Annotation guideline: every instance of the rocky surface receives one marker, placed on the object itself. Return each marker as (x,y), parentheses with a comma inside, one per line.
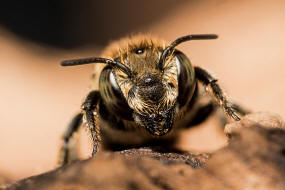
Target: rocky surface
(253,159)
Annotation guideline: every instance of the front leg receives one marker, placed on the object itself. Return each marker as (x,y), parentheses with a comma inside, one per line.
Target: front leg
(211,83)
(91,117)
(67,152)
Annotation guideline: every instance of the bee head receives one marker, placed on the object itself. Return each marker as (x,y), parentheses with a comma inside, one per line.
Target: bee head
(147,79)
(151,92)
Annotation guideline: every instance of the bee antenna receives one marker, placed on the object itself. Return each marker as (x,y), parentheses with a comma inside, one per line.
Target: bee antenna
(167,51)
(89,60)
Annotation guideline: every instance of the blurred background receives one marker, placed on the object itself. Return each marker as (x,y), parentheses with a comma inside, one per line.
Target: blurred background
(38,97)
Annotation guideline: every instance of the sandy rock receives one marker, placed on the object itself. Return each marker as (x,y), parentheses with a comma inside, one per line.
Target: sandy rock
(264,119)
(253,159)
(130,169)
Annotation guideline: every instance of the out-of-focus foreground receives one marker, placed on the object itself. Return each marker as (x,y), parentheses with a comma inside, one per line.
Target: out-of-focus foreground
(241,165)
(38,97)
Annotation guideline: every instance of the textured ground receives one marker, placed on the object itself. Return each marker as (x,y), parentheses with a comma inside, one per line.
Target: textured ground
(253,159)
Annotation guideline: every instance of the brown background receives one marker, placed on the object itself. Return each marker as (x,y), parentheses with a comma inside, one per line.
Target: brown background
(38,97)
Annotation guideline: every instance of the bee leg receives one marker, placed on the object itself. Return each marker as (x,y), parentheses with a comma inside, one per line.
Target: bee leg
(65,150)
(91,116)
(211,84)
(240,109)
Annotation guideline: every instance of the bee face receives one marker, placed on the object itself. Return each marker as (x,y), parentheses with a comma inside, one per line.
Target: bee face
(152,92)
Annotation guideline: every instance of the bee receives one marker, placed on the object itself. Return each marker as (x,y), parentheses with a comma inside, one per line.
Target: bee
(147,91)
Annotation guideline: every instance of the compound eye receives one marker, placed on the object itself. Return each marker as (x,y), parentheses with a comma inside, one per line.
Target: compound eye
(113,82)
(186,78)
(113,99)
(139,51)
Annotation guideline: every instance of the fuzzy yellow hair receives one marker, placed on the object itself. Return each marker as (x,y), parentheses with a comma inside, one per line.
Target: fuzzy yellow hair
(131,43)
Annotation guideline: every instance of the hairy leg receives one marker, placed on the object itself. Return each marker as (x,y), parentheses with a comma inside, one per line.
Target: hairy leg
(90,117)
(65,150)
(211,85)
